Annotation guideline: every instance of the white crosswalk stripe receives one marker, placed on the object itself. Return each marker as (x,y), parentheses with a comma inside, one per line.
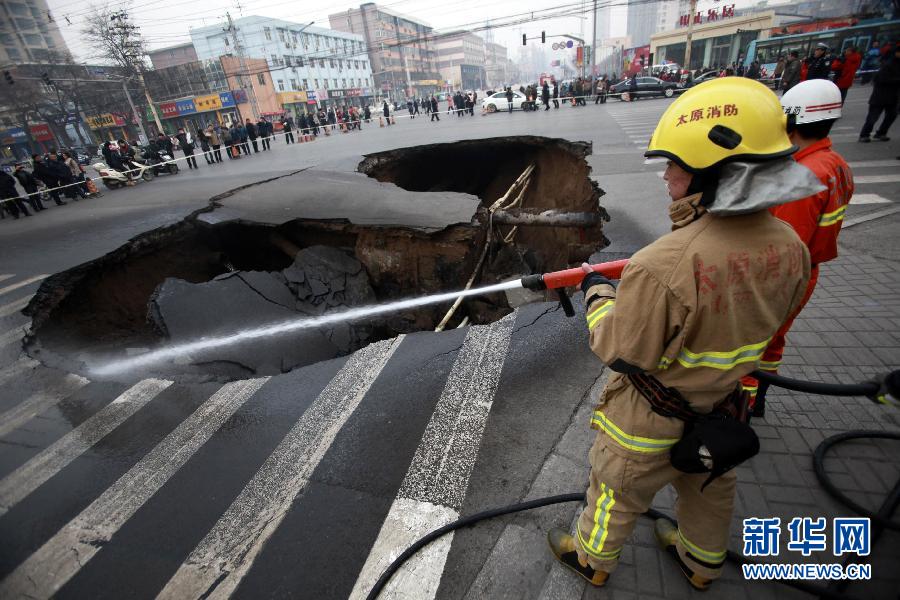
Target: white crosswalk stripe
(16,368)
(14,307)
(58,560)
(40,401)
(5,276)
(52,460)
(868,199)
(219,562)
(21,284)
(864,179)
(433,491)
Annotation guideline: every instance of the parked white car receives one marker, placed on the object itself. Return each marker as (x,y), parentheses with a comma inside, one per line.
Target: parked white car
(498,101)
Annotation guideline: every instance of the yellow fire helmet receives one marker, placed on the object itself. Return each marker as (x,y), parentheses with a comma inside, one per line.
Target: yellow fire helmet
(723,120)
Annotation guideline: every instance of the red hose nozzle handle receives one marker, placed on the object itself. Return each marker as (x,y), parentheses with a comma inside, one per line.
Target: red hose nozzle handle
(573,277)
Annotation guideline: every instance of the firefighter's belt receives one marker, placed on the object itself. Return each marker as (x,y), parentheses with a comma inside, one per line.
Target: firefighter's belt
(669,402)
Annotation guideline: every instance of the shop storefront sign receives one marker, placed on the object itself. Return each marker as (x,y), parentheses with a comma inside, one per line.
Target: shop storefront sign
(105,120)
(13,135)
(186,107)
(322,94)
(41,132)
(354,92)
(713,14)
(62,120)
(226,99)
(285,98)
(240,96)
(209,102)
(168,110)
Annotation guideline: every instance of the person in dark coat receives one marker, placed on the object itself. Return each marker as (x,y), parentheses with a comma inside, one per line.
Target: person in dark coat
(30,185)
(885,92)
(633,88)
(186,142)
(818,66)
(288,126)
(10,200)
(387,112)
(367,113)
(45,173)
(555,94)
(545,96)
(509,99)
(56,163)
(434,109)
(164,144)
(204,146)
(252,135)
(262,128)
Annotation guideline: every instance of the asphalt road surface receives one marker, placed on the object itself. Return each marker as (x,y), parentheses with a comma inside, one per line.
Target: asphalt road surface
(305,485)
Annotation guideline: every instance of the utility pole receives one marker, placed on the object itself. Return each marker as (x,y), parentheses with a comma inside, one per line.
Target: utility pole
(594,41)
(134,110)
(690,32)
(240,52)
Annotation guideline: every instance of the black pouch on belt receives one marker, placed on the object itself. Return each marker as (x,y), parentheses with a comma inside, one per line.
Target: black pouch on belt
(714,445)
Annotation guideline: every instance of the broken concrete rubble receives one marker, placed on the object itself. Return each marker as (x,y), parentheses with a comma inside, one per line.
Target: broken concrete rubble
(320,279)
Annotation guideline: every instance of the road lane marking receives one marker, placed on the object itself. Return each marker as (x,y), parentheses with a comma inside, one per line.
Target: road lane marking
(860,179)
(865,164)
(21,284)
(27,478)
(14,307)
(5,276)
(434,489)
(58,560)
(13,335)
(868,199)
(40,401)
(216,566)
(870,216)
(16,368)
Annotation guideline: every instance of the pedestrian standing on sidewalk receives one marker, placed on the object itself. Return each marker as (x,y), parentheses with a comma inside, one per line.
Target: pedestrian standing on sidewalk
(885,87)
(204,146)
(186,141)
(287,127)
(9,196)
(215,141)
(30,185)
(676,340)
(434,109)
(77,172)
(791,74)
(812,107)
(252,134)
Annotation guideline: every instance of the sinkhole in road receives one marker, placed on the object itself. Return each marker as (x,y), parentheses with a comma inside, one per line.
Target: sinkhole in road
(197,279)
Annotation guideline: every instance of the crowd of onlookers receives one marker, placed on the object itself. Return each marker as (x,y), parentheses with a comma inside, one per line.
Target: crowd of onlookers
(52,176)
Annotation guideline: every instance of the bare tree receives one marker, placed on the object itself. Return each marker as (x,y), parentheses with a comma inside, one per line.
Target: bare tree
(114,38)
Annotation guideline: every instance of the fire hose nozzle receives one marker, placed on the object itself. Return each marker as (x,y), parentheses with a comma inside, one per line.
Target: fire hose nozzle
(572,277)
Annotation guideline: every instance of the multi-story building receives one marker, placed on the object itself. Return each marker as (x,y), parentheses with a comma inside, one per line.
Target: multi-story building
(400,49)
(173,56)
(28,33)
(317,65)
(647,18)
(461,58)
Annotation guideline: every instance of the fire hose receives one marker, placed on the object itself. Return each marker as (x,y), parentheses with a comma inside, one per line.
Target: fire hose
(887,386)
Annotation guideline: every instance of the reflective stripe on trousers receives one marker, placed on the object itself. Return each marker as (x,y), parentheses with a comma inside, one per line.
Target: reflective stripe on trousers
(594,544)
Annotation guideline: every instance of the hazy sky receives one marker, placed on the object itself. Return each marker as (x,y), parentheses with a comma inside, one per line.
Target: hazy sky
(168,22)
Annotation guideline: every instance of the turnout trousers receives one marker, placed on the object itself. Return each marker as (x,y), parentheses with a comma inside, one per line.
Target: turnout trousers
(627,471)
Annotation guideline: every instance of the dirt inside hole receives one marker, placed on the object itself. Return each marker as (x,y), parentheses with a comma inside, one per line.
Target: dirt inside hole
(195,279)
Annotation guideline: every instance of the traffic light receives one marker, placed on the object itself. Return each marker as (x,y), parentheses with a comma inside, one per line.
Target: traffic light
(46,79)
(543,37)
(8,77)
(524,40)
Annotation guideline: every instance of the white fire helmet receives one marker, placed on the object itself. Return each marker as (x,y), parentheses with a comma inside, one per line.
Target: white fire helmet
(812,100)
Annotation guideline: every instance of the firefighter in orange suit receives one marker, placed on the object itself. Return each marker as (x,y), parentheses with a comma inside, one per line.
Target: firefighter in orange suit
(811,107)
(692,314)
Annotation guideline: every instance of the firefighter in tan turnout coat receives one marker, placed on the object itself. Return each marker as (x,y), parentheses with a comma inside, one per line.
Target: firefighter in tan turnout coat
(692,314)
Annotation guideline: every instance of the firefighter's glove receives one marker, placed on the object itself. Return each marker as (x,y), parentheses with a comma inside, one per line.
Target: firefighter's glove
(592,278)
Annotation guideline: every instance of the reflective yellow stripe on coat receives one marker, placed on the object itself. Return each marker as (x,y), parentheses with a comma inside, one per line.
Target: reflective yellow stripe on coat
(723,360)
(833,217)
(598,313)
(631,442)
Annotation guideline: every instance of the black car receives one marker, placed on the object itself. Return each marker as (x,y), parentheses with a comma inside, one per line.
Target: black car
(81,155)
(647,87)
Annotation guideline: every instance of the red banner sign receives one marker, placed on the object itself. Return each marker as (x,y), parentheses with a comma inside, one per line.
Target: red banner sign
(169,109)
(712,14)
(41,133)
(354,92)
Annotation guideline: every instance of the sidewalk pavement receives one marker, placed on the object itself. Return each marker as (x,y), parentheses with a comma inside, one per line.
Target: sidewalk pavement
(850,331)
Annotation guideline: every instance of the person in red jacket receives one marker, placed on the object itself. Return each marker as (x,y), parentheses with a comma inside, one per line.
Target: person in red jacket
(811,107)
(845,70)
